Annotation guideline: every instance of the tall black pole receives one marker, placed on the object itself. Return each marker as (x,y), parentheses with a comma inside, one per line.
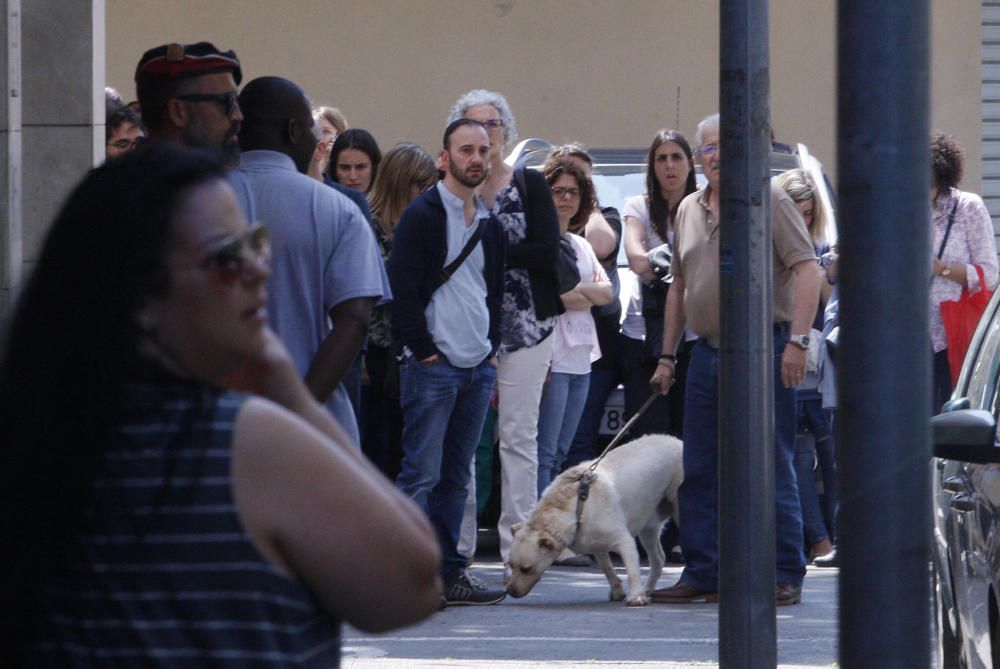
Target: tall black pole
(747,633)
(884,365)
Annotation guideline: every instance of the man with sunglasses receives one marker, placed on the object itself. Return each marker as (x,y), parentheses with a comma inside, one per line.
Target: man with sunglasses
(694,301)
(187,94)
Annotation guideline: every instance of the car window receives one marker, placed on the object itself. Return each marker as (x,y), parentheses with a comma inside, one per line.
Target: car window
(981,376)
(616,184)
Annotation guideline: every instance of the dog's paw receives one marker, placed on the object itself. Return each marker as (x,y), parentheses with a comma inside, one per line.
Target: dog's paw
(637,600)
(617,593)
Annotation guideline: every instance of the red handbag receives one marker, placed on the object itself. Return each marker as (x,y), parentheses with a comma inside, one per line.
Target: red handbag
(960,319)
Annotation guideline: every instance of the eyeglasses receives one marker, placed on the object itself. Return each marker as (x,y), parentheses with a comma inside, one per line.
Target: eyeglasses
(493,123)
(230,100)
(230,258)
(709,150)
(125,145)
(559,193)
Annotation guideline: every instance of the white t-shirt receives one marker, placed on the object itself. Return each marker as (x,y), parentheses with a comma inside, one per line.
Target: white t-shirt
(575,346)
(634,326)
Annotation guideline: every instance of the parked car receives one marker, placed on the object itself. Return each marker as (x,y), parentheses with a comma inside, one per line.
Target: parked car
(966,495)
(619,173)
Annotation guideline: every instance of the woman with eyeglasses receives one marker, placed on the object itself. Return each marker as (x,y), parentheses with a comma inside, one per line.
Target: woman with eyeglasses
(523,203)
(574,344)
(649,224)
(171,491)
(817,452)
(405,172)
(123,128)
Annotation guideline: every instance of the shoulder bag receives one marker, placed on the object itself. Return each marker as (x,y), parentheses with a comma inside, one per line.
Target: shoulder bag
(960,317)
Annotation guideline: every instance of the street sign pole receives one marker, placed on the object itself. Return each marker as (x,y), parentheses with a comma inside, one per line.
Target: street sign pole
(747,631)
(884,372)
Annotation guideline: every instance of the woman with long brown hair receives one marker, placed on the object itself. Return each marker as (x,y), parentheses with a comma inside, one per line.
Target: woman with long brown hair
(406,171)
(649,223)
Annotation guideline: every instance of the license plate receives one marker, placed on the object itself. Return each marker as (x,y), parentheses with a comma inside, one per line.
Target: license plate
(613,417)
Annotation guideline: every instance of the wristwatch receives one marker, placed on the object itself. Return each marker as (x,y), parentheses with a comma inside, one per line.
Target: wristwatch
(946,271)
(802,341)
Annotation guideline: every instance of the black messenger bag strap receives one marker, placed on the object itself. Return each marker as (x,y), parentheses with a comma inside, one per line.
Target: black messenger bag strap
(450,268)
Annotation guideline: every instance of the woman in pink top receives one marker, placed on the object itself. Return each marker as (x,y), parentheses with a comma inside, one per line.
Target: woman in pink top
(962,239)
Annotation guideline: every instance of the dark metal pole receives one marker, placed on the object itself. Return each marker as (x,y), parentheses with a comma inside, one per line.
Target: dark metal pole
(747,632)
(884,369)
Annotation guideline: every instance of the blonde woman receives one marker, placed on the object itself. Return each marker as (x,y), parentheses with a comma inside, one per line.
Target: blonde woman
(818,521)
(331,123)
(406,171)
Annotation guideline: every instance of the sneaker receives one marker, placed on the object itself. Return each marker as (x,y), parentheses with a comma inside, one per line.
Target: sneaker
(465,589)
(828,560)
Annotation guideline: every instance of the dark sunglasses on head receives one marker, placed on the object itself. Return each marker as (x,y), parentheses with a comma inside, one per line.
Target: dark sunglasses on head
(230,258)
(229,101)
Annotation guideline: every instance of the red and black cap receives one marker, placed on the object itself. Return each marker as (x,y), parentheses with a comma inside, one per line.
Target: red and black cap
(179,61)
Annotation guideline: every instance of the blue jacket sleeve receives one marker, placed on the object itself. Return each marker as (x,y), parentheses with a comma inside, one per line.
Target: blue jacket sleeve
(409,267)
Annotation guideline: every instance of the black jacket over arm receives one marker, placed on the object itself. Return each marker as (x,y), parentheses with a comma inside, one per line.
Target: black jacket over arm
(540,248)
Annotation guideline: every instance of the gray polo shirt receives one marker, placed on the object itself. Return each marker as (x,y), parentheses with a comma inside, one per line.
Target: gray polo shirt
(323,253)
(458,317)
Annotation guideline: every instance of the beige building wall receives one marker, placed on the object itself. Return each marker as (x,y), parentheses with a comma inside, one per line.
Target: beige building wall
(604,72)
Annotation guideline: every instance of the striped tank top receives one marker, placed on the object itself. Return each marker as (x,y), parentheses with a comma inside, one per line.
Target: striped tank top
(163,574)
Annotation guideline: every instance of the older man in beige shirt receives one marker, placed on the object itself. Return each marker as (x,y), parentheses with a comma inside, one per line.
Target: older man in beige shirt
(693,301)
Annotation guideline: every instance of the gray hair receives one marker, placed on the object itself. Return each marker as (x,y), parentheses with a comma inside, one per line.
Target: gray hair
(711,121)
(480,96)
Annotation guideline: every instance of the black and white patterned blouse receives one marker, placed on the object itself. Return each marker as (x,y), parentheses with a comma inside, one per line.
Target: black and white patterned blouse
(519,325)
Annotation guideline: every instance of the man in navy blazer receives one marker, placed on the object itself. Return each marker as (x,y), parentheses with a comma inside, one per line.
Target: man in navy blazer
(446,272)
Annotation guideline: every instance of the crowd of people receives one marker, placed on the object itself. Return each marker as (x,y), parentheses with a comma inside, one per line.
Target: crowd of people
(287,343)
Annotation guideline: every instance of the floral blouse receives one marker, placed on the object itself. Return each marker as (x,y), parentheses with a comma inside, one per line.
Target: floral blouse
(519,327)
(970,242)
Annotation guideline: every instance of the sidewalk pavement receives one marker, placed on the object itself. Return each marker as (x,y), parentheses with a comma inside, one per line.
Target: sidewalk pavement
(568,622)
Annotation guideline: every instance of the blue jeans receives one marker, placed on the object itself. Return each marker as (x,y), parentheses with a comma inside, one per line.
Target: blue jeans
(444,408)
(605,375)
(699,494)
(558,417)
(814,445)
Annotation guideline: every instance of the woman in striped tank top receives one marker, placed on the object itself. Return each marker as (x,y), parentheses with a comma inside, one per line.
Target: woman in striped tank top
(172,496)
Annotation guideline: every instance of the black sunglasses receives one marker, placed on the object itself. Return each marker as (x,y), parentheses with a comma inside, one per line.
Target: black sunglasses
(230,258)
(229,101)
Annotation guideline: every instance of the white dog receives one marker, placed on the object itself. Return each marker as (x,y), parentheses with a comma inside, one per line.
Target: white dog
(633,494)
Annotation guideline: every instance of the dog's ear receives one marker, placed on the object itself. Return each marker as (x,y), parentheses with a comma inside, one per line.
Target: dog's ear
(515,527)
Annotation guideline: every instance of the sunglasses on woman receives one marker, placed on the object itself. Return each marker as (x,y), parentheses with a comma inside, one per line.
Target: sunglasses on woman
(230,258)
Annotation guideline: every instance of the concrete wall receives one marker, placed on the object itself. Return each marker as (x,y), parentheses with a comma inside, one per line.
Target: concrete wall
(605,72)
(51,122)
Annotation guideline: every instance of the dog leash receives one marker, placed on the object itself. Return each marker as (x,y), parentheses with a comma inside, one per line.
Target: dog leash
(588,475)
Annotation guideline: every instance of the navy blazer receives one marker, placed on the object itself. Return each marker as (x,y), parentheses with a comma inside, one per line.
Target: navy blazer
(419,251)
